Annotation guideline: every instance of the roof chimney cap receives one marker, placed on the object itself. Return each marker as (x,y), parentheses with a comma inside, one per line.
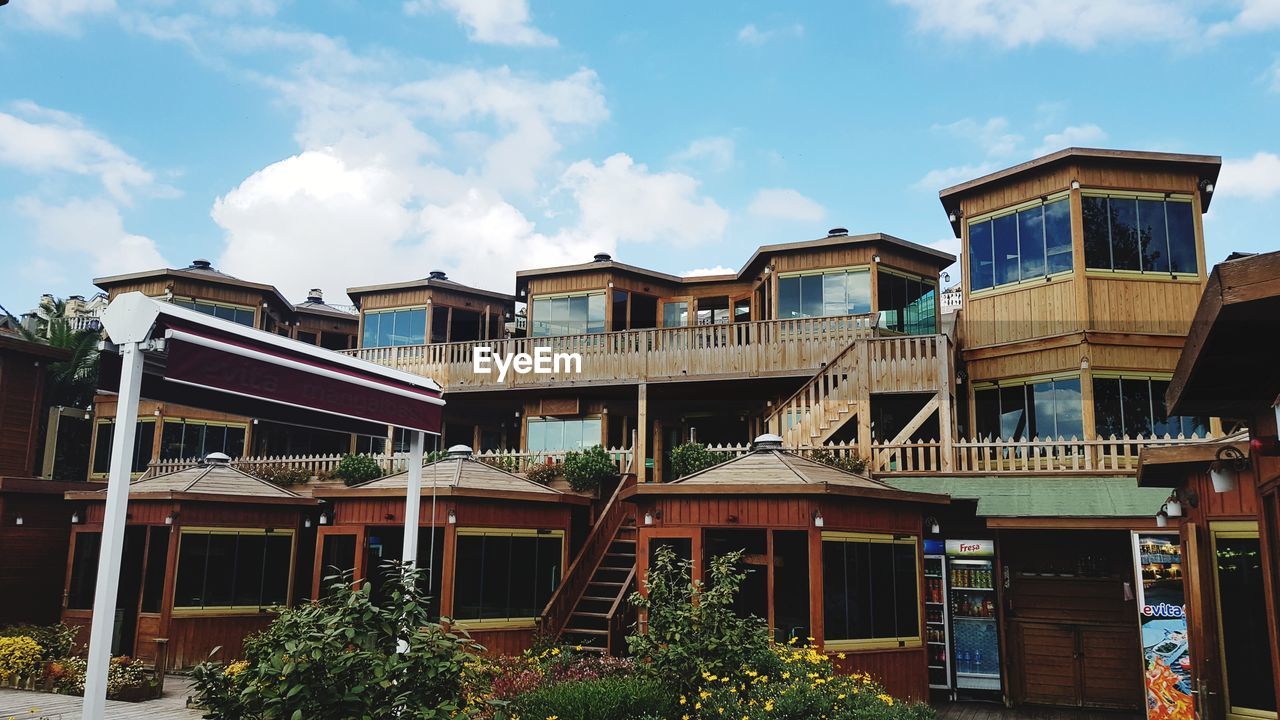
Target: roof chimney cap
(437,275)
(837,232)
(201,263)
(217,458)
(315,295)
(458,452)
(768,441)
(602,257)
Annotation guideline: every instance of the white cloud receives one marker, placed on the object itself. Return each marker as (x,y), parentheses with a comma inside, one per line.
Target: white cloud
(495,22)
(60,16)
(1071,136)
(991,135)
(715,152)
(749,34)
(91,229)
(1081,24)
(1255,178)
(940,178)
(42,141)
(1254,16)
(785,204)
(704,272)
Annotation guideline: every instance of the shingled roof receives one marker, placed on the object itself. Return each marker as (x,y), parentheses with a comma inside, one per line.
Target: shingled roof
(214,478)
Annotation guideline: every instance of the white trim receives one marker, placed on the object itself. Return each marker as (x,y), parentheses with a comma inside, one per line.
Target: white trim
(212,344)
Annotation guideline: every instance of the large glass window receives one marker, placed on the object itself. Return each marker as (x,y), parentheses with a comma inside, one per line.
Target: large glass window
(233,568)
(1134,406)
(713,310)
(510,574)
(870,591)
(142,445)
(576,314)
(1024,245)
(157,563)
(182,439)
(1139,234)
(557,435)
(388,328)
(1033,409)
(824,294)
(675,313)
(907,304)
(84,570)
(235,313)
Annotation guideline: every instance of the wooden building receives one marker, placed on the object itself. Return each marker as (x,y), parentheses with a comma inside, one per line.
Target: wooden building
(833,556)
(208,552)
(495,545)
(1229,492)
(33,520)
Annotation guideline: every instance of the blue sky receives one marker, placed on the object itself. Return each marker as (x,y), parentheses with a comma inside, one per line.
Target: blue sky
(333,143)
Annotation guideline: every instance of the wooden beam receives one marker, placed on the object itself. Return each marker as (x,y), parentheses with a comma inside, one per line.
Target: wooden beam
(914,423)
(642,427)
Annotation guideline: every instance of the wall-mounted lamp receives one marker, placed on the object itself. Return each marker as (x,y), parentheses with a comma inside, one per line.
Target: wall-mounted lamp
(75,518)
(610,283)
(452,517)
(170,518)
(954,216)
(946,277)
(255,421)
(1207,186)
(156,412)
(648,518)
(934,526)
(1224,471)
(1173,506)
(1075,184)
(324,517)
(817,519)
(18,520)
(306,522)
(88,412)
(1084,362)
(1162,519)
(875,258)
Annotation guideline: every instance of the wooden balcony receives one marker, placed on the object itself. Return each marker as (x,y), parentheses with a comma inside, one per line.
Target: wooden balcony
(770,348)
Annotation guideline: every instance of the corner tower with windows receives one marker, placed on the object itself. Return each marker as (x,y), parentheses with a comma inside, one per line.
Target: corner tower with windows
(1082,270)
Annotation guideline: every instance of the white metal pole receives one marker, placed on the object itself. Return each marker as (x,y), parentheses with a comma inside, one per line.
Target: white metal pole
(413,498)
(113,522)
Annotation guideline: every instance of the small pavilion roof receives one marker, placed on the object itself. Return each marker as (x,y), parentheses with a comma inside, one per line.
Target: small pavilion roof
(458,475)
(1168,465)
(212,480)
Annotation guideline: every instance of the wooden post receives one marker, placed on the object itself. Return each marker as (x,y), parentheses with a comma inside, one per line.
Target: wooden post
(946,399)
(862,393)
(642,427)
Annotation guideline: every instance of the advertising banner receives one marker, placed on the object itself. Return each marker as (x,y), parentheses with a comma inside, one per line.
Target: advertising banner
(1162,621)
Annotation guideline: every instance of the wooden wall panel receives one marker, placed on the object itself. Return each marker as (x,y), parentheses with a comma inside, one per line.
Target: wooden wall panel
(1110,675)
(904,673)
(1018,190)
(21,384)
(1022,364)
(1239,504)
(192,638)
(1134,357)
(1042,663)
(32,562)
(1134,305)
(1026,312)
(1066,599)
(581,281)
(506,641)
(144,645)
(469,512)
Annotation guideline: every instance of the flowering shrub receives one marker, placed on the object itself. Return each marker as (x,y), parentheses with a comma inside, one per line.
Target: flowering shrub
(282,474)
(544,474)
(55,641)
(505,678)
(586,470)
(613,698)
(19,658)
(355,469)
(67,675)
(852,462)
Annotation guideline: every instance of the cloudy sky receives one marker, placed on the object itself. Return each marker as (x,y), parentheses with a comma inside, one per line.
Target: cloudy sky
(335,143)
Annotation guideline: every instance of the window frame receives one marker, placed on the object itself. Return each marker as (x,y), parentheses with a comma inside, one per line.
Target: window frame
(604,293)
(1149,377)
(1135,195)
(897,642)
(996,286)
(176,609)
(933,283)
(426,332)
(1024,382)
(599,418)
(868,268)
(165,420)
(251,309)
(516,622)
(93,448)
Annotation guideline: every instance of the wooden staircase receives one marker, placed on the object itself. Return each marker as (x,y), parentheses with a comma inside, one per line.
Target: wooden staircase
(590,609)
(838,393)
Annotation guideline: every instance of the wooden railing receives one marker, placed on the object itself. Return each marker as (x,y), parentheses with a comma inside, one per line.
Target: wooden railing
(596,546)
(748,349)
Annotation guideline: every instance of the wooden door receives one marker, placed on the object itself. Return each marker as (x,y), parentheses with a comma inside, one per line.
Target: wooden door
(1049,664)
(1206,675)
(1110,669)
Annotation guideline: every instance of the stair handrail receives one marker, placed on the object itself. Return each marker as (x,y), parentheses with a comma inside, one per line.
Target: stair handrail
(617,604)
(830,365)
(562,601)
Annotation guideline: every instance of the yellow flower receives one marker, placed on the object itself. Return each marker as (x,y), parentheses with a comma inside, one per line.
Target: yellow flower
(886,699)
(683,700)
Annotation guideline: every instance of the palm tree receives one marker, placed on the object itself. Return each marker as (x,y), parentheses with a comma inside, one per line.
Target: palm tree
(70,382)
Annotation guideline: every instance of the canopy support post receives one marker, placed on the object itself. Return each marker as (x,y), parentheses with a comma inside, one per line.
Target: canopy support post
(413,498)
(123,438)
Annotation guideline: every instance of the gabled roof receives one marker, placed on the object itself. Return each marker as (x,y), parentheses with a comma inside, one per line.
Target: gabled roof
(428,282)
(199,270)
(458,476)
(778,472)
(1168,465)
(208,481)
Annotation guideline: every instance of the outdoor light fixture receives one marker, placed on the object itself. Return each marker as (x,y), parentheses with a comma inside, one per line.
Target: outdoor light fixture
(1173,506)
(817,519)
(453,517)
(954,216)
(75,518)
(934,526)
(156,412)
(1207,186)
(1162,520)
(946,277)
(170,518)
(1084,362)
(324,517)
(1223,471)
(306,522)
(18,520)
(88,412)
(875,258)
(1075,184)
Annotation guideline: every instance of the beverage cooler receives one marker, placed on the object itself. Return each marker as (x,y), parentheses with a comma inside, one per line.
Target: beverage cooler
(972,609)
(937,636)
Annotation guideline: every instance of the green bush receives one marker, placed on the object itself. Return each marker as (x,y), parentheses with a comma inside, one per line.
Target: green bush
(544,474)
(852,462)
(355,469)
(282,474)
(689,458)
(339,658)
(127,678)
(19,658)
(612,698)
(692,629)
(586,470)
(55,641)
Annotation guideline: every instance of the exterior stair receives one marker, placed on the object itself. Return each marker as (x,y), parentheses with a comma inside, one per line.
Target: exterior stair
(822,406)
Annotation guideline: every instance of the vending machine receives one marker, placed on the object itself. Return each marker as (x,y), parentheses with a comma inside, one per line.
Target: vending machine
(972,605)
(937,631)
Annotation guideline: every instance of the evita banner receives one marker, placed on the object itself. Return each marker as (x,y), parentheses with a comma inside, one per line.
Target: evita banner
(1162,619)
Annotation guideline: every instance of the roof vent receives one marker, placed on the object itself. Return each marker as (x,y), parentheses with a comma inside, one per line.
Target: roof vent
(602,257)
(201,264)
(458,452)
(217,458)
(837,232)
(437,275)
(768,441)
(315,295)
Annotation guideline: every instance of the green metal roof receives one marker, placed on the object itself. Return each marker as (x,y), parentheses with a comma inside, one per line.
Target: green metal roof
(1044,496)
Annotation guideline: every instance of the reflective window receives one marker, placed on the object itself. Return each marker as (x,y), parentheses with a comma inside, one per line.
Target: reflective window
(713,310)
(84,570)
(389,328)
(185,439)
(1042,409)
(1149,235)
(510,575)
(568,314)
(824,294)
(675,313)
(233,568)
(555,434)
(1024,245)
(907,304)
(869,587)
(142,445)
(1135,406)
(235,313)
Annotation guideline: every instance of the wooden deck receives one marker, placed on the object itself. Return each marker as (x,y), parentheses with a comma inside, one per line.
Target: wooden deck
(24,705)
(995,711)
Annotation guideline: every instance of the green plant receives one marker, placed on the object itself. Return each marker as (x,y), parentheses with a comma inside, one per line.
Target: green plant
(282,474)
(851,462)
(611,698)
(127,678)
(347,656)
(55,641)
(543,474)
(692,629)
(66,675)
(19,657)
(502,462)
(586,470)
(690,457)
(356,468)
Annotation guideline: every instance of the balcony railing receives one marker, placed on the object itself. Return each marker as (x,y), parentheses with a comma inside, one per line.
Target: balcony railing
(739,350)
